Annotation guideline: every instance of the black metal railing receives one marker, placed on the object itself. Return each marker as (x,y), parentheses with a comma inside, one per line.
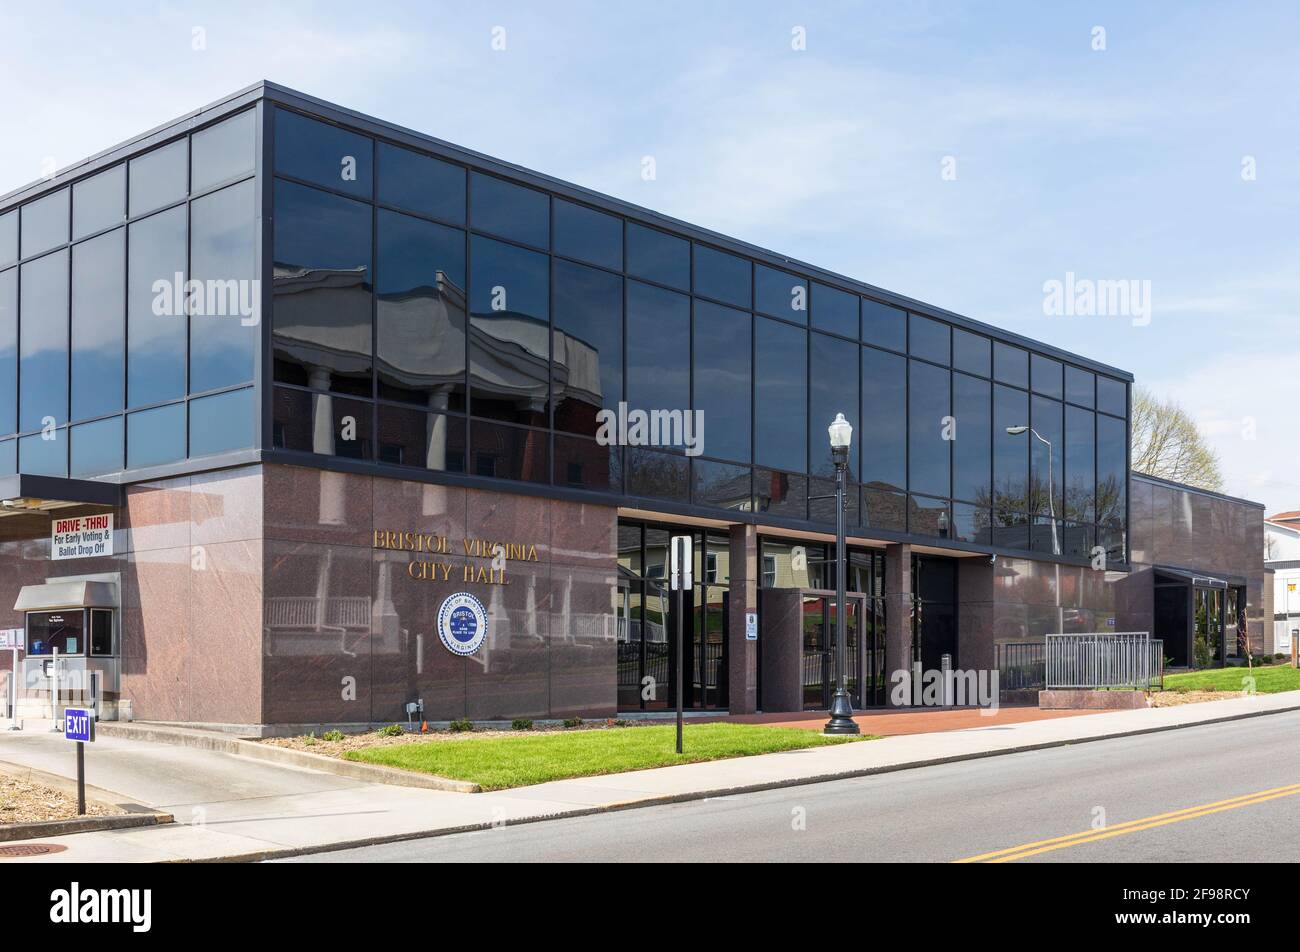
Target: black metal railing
(1022,666)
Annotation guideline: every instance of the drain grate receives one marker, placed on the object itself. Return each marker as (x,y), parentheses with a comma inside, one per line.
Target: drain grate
(30,849)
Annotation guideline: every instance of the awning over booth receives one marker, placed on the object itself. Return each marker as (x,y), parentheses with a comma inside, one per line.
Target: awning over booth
(1204,580)
(53,596)
(27,492)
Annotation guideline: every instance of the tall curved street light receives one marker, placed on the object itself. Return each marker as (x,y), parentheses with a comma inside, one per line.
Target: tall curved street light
(841,720)
(1051,479)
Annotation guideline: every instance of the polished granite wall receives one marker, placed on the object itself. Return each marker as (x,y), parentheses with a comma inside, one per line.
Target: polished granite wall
(351,637)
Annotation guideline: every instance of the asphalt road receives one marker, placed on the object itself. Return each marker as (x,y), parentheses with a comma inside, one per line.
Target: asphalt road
(1222,792)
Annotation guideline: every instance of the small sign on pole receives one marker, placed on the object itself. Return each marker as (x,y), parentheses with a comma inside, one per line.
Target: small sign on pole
(751,626)
(679,564)
(79,726)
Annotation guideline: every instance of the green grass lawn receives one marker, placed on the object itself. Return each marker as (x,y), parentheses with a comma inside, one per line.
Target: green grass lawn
(498,762)
(1268,680)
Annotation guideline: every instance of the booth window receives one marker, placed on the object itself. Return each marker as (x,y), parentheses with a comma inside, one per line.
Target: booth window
(62,630)
(101,632)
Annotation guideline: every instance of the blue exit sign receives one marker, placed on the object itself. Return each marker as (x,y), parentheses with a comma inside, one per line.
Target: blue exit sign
(78,724)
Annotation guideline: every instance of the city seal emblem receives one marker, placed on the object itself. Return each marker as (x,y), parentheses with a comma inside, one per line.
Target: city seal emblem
(462,623)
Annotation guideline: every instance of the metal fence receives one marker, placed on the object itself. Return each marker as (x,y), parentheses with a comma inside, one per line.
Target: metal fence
(1129,659)
(1020,665)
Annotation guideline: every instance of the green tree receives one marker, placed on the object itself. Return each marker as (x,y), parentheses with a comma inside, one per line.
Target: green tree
(1168,444)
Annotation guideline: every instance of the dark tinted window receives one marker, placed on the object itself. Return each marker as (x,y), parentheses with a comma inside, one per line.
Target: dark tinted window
(1010,453)
(155,436)
(159,178)
(658,348)
(44,457)
(884,325)
(585,464)
(421,183)
(225,151)
(420,333)
(510,346)
(722,276)
(98,325)
(155,317)
(1080,459)
(45,223)
(1080,387)
(222,422)
(781,396)
(410,437)
(9,351)
(509,210)
(96,448)
(223,256)
(1010,365)
(656,256)
(834,365)
(780,294)
(8,238)
(928,339)
(722,387)
(588,346)
(1112,467)
(43,360)
(657,475)
(1112,396)
(99,202)
(971,352)
(588,235)
(972,459)
(297,419)
(1046,376)
(720,484)
(8,457)
(928,410)
(321,322)
(323,154)
(509,452)
(884,419)
(1046,465)
(834,310)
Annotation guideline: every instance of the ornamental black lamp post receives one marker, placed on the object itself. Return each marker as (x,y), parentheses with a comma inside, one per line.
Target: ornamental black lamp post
(841,721)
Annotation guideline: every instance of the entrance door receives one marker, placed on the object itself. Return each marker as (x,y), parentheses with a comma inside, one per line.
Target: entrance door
(1208,631)
(819,633)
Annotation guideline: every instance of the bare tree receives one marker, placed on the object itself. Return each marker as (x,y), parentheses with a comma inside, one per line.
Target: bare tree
(1167,444)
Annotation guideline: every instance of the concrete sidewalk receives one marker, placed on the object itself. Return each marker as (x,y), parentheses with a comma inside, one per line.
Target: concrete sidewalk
(230,807)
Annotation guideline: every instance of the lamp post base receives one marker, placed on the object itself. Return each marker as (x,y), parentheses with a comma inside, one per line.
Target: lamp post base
(841,721)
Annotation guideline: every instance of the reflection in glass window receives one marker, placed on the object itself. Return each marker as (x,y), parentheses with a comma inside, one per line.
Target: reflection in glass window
(156,436)
(780,294)
(1080,460)
(1010,453)
(884,419)
(1112,396)
(971,524)
(1112,461)
(1046,466)
(720,485)
(722,381)
(883,325)
(225,151)
(410,437)
(882,509)
(509,210)
(929,409)
(588,235)
(831,391)
(722,276)
(1010,365)
(321,319)
(9,350)
(510,340)
(509,452)
(99,202)
(658,348)
(155,316)
(1080,387)
(43,354)
(780,495)
(8,238)
(781,396)
(972,450)
(585,464)
(658,257)
(929,517)
(96,448)
(321,423)
(8,457)
(222,422)
(657,475)
(972,353)
(98,325)
(159,178)
(1046,376)
(420,314)
(587,349)
(323,154)
(223,257)
(45,223)
(928,339)
(42,456)
(421,183)
(834,310)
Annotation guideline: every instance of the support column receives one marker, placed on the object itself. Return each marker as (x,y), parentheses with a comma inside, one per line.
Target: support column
(898,615)
(742,654)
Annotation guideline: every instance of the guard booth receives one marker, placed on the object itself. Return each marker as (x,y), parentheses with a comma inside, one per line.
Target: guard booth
(71,655)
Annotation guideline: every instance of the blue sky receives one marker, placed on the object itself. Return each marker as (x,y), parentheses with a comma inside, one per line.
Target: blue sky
(1116,164)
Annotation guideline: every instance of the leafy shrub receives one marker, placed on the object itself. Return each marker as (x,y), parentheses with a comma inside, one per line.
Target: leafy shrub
(392,730)
(332,735)
(460,726)
(521,724)
(310,739)
(573,722)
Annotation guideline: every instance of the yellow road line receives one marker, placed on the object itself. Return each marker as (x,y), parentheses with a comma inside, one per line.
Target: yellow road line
(1132,826)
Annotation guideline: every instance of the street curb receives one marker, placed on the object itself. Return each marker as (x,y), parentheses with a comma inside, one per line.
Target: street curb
(208,740)
(663,799)
(90,824)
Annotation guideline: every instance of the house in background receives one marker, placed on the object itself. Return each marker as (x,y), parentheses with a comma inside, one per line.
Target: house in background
(1282,559)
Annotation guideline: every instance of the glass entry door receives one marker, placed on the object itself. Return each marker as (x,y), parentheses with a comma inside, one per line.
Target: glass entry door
(819,633)
(1208,631)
